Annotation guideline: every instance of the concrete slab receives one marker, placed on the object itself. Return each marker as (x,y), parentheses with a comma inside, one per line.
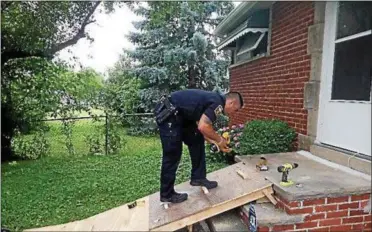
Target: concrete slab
(317,180)
(268,215)
(227,221)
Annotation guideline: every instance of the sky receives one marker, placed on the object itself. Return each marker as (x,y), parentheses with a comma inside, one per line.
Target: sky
(109,40)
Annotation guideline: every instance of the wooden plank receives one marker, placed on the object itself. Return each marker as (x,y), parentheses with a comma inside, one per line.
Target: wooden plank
(200,216)
(263,200)
(270,197)
(117,219)
(232,191)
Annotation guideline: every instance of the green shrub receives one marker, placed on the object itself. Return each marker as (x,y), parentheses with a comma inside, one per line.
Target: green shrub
(31,147)
(96,139)
(142,126)
(95,143)
(266,136)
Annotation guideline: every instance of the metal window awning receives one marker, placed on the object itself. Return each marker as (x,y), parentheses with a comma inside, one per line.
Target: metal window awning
(258,22)
(243,32)
(250,43)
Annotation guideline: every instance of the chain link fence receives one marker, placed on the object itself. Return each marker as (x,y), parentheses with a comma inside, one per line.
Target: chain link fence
(95,135)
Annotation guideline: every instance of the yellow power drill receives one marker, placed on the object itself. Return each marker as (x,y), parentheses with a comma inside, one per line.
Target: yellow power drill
(226,136)
(285,168)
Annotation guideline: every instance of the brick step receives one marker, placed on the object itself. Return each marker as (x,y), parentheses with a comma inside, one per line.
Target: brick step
(228,221)
(270,217)
(330,214)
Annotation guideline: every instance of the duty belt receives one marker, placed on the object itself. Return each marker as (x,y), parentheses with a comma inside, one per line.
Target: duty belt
(164,109)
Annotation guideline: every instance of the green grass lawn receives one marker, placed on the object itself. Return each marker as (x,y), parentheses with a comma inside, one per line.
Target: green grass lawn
(60,188)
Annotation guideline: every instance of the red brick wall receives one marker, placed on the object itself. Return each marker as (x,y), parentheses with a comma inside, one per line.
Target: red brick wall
(325,214)
(273,87)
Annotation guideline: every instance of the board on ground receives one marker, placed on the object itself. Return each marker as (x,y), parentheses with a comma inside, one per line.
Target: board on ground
(117,219)
(233,191)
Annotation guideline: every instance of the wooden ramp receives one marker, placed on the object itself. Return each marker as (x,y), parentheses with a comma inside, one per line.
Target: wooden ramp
(238,184)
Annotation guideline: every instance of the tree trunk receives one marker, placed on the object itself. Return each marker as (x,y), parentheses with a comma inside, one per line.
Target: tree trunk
(7,120)
(192,81)
(7,132)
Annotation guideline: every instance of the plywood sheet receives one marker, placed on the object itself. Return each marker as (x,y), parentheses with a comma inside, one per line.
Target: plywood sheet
(232,190)
(117,219)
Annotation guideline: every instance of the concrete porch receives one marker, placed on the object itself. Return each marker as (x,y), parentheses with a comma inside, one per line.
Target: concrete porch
(318,177)
(326,196)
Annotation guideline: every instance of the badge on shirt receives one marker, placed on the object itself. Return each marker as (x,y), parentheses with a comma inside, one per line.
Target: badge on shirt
(218,110)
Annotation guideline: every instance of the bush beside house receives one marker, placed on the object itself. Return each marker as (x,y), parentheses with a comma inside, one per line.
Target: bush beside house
(255,137)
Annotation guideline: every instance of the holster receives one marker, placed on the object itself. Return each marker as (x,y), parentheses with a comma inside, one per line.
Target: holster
(164,110)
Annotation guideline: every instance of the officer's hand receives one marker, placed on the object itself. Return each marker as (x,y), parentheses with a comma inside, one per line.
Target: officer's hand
(223,146)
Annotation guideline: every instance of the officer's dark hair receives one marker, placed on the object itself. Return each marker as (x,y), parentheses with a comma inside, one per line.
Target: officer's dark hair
(236,95)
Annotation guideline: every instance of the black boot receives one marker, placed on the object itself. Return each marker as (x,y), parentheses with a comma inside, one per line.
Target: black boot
(175,198)
(204,182)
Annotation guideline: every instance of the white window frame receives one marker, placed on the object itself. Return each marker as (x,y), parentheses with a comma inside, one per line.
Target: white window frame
(340,40)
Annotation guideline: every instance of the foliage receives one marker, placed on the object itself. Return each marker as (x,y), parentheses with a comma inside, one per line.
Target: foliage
(78,187)
(50,92)
(121,89)
(95,144)
(114,140)
(121,97)
(175,49)
(266,136)
(67,131)
(233,135)
(142,126)
(96,139)
(31,34)
(44,28)
(34,147)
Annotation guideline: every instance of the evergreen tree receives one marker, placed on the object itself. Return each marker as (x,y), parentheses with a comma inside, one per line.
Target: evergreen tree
(176,48)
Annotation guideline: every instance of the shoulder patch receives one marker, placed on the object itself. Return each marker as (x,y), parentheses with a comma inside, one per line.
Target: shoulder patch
(218,110)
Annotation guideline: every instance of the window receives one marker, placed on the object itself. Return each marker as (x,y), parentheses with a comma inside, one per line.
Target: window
(251,45)
(250,39)
(353,52)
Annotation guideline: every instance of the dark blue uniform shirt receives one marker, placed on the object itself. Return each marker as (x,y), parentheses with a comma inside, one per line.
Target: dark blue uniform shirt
(193,103)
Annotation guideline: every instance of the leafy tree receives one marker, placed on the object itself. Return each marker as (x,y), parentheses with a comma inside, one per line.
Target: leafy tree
(32,32)
(121,97)
(175,48)
(121,88)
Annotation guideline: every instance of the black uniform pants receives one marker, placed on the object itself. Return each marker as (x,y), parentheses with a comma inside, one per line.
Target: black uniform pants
(173,132)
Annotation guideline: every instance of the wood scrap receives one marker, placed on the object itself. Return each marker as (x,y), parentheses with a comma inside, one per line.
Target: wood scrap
(270,197)
(205,190)
(241,174)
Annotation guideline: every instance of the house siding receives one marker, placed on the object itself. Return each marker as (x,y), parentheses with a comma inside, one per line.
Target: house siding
(273,86)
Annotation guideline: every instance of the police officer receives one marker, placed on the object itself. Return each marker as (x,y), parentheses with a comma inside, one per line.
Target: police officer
(187,116)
